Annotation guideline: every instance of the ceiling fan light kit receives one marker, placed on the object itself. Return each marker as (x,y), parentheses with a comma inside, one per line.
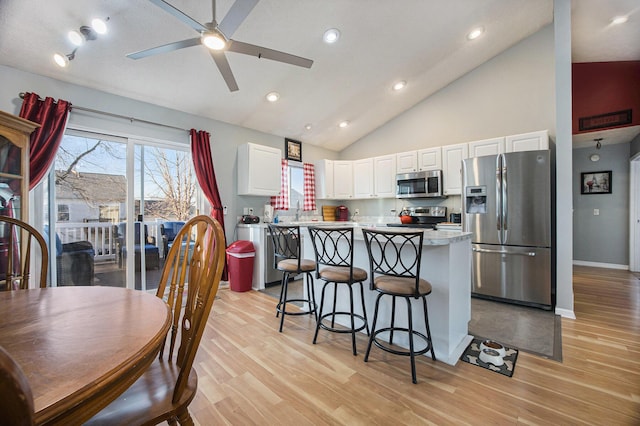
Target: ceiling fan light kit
(79,37)
(217,37)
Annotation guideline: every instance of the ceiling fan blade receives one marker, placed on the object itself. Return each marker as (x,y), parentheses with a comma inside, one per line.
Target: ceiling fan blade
(165,48)
(263,52)
(223,65)
(236,15)
(179,14)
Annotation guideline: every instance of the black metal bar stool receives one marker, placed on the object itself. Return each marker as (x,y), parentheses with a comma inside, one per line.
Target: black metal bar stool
(394,259)
(287,258)
(334,249)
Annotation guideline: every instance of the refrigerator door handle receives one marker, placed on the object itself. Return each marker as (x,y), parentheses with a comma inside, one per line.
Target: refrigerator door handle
(498,200)
(528,253)
(505,204)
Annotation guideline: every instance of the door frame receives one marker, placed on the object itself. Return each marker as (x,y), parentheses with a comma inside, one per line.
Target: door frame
(634,214)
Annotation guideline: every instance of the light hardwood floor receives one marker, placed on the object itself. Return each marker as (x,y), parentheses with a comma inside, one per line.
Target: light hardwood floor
(251,374)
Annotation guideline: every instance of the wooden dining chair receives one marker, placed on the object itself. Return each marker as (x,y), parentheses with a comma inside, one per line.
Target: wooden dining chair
(163,393)
(16,399)
(16,246)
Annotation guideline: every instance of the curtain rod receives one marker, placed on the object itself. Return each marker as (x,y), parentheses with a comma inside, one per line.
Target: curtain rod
(110,114)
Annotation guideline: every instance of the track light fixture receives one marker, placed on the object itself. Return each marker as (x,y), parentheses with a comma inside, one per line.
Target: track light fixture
(79,37)
(598,142)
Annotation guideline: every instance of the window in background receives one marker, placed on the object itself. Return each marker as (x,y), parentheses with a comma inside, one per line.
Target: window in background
(63,213)
(296,187)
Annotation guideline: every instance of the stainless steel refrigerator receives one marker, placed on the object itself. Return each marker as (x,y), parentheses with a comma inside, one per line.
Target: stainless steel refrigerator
(507,206)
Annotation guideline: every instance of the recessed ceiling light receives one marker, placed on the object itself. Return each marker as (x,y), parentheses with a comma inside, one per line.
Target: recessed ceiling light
(619,20)
(331,35)
(99,25)
(343,124)
(273,96)
(61,60)
(307,127)
(75,37)
(399,85)
(475,33)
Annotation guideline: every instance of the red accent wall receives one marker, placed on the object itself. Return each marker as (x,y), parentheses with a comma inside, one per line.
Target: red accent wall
(604,87)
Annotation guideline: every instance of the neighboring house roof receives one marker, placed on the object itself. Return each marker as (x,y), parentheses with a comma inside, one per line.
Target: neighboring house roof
(93,187)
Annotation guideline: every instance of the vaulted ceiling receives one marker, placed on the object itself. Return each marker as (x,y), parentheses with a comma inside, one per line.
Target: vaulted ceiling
(420,41)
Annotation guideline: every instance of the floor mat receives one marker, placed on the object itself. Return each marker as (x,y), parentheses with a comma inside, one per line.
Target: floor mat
(472,356)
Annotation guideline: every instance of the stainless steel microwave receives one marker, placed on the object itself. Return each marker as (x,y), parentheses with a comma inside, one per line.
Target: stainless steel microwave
(419,185)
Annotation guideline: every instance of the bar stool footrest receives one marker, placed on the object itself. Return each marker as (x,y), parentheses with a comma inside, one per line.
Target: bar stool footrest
(385,346)
(308,312)
(346,328)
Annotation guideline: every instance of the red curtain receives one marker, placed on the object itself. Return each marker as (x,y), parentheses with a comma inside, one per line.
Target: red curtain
(309,187)
(52,117)
(281,201)
(203,165)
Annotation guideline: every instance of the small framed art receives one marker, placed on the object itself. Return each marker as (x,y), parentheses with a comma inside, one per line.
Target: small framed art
(293,150)
(595,182)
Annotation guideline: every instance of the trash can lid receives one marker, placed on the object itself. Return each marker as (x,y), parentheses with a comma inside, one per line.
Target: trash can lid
(241,246)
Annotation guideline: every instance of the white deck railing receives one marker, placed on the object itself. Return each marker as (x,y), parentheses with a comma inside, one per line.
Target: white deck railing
(101,235)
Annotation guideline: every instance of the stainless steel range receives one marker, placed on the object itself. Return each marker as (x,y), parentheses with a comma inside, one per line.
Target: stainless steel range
(423,217)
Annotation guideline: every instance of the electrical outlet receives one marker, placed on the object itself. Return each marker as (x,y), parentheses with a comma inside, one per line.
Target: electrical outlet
(225,210)
(245,211)
(250,210)
(596,212)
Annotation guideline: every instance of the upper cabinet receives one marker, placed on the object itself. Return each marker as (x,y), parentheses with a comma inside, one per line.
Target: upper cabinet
(493,146)
(259,169)
(324,179)
(384,173)
(343,179)
(452,156)
(407,162)
(430,159)
(533,141)
(14,165)
(363,178)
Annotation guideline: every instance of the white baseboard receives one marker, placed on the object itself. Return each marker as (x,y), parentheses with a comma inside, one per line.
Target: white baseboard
(565,313)
(601,265)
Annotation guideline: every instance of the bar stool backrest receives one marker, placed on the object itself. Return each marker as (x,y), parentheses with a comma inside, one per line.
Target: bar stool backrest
(394,253)
(333,246)
(286,243)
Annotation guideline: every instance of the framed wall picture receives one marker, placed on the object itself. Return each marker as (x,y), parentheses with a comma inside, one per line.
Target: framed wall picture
(595,182)
(293,150)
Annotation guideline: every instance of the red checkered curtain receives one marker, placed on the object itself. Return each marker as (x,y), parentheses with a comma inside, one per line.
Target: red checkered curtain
(309,187)
(281,202)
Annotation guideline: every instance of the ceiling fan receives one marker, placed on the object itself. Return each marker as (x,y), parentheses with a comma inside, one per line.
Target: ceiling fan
(217,38)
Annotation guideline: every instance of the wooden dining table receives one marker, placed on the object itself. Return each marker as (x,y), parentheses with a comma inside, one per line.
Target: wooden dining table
(81,347)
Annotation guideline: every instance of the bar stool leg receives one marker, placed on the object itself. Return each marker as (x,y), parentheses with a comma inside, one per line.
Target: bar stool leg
(311,296)
(412,354)
(282,292)
(364,310)
(393,318)
(335,297)
(426,323)
(353,322)
(283,298)
(372,336)
(315,336)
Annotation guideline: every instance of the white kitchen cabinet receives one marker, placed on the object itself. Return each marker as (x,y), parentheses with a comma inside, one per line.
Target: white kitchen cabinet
(324,179)
(407,162)
(452,156)
(430,159)
(384,174)
(342,179)
(363,178)
(484,147)
(533,141)
(259,169)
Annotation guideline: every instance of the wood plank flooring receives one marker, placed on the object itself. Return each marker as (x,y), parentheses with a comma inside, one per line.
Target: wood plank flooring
(251,374)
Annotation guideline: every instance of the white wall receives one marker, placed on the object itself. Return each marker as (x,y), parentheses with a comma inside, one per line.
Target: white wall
(225,138)
(510,94)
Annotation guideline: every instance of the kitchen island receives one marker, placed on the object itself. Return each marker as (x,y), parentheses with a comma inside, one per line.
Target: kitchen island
(446,264)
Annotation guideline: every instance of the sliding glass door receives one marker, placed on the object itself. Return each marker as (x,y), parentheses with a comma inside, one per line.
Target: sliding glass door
(112,205)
